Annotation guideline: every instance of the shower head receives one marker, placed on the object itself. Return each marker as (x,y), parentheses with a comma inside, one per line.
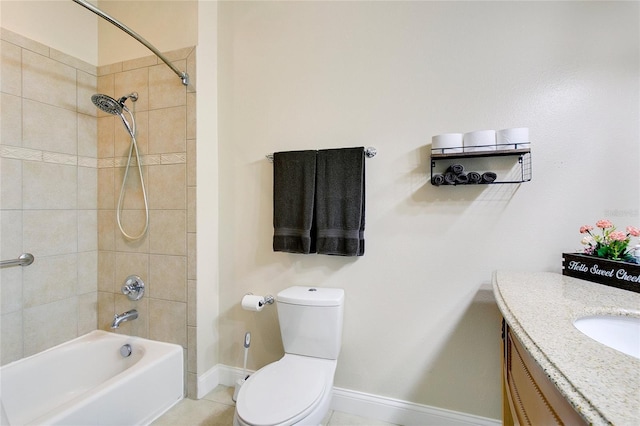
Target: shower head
(110,105)
(113,107)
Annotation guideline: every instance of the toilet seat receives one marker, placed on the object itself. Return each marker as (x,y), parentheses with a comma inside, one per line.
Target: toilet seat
(282,393)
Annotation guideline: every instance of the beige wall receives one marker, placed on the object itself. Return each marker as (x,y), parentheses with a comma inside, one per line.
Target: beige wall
(420,322)
(165,256)
(167,25)
(48,178)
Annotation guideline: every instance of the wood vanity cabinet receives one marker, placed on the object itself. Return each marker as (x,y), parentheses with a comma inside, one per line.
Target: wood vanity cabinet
(528,396)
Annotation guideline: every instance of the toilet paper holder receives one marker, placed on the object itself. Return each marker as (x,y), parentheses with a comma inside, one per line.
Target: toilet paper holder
(266,300)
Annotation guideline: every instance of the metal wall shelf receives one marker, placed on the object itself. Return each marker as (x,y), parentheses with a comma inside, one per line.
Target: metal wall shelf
(523,159)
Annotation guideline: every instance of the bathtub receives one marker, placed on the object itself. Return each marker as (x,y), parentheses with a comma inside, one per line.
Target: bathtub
(86,381)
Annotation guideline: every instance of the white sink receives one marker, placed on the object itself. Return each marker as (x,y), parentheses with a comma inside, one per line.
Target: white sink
(619,333)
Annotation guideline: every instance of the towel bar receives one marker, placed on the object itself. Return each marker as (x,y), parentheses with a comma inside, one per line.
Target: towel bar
(369,152)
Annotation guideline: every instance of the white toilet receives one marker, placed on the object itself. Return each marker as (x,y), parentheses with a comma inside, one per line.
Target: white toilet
(296,390)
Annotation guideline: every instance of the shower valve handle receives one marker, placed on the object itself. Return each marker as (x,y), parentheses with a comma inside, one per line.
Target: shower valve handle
(133,287)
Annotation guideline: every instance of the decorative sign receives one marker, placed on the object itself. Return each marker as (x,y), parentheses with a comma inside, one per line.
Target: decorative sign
(613,273)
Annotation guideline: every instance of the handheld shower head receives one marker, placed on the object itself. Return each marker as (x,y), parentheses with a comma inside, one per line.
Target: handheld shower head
(111,106)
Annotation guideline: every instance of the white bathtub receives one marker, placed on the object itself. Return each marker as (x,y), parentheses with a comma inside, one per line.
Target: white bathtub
(87,382)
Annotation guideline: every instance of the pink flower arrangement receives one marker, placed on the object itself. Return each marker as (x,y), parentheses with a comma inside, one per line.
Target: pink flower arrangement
(612,244)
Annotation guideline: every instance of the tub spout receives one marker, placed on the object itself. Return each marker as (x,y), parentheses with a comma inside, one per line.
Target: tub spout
(126,316)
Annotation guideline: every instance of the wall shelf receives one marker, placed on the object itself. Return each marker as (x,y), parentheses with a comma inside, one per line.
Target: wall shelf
(440,163)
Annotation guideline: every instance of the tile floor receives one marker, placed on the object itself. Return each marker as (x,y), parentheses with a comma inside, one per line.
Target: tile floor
(217,407)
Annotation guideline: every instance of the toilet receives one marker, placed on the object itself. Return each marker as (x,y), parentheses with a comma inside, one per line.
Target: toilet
(296,390)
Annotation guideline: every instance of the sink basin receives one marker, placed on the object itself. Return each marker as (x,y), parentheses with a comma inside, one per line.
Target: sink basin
(619,333)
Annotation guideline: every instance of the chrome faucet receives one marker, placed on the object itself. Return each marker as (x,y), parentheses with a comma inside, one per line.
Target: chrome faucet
(126,316)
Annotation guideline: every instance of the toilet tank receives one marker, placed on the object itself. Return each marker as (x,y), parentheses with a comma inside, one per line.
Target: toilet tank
(311,320)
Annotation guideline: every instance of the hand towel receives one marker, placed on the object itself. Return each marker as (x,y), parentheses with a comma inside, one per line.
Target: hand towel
(294,180)
(489,177)
(456,168)
(450,178)
(437,179)
(340,201)
(474,177)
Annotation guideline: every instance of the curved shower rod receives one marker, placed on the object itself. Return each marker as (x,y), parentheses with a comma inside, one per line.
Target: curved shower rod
(183,75)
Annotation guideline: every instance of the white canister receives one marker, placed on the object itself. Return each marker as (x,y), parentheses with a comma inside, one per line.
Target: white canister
(480,140)
(446,143)
(515,138)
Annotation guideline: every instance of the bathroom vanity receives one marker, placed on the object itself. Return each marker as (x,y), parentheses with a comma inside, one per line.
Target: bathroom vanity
(552,372)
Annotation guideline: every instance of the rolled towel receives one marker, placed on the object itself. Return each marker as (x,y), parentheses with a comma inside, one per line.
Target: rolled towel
(450,178)
(462,179)
(489,177)
(437,179)
(456,168)
(474,177)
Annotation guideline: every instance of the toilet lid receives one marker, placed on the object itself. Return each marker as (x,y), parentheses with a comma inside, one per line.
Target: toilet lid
(280,392)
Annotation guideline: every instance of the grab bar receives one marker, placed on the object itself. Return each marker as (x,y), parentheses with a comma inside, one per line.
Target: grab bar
(184,77)
(25,259)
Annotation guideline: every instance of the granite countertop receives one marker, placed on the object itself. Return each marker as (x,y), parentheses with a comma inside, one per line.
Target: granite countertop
(601,383)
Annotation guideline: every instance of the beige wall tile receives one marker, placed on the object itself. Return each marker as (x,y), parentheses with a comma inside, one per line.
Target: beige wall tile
(106,310)
(106,136)
(11,68)
(167,130)
(167,186)
(168,321)
(87,312)
(11,116)
(106,86)
(49,128)
(11,227)
(12,342)
(49,186)
(11,289)
(168,277)
(191,70)
(192,339)
(106,229)
(50,279)
(192,297)
(48,81)
(10,183)
(87,87)
(191,116)
(191,209)
(50,232)
(87,272)
(87,188)
(87,230)
(135,80)
(106,188)
(165,87)
(109,69)
(191,162)
(87,136)
(143,62)
(192,255)
(40,332)
(106,271)
(167,232)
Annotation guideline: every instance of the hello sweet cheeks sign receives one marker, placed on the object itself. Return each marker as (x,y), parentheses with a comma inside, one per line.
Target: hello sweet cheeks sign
(603,271)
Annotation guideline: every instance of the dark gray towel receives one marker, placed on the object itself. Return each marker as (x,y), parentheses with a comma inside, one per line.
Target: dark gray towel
(294,180)
(456,168)
(474,177)
(340,201)
(489,177)
(437,179)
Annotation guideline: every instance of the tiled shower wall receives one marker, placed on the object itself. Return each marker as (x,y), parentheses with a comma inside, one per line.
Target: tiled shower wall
(62,167)
(165,256)
(48,172)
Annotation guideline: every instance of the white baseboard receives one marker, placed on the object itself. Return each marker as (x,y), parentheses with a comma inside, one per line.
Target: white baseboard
(362,404)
